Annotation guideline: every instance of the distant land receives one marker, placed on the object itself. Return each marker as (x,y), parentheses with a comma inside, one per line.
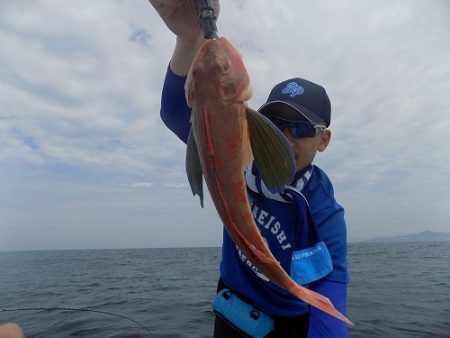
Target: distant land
(423,236)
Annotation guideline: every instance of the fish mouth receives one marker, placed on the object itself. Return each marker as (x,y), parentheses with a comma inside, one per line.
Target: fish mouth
(247,93)
(234,94)
(244,95)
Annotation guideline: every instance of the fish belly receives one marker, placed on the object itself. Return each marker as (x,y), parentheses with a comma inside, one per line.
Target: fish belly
(225,151)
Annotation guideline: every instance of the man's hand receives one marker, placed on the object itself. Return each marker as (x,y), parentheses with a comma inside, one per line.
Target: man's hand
(10,330)
(180,16)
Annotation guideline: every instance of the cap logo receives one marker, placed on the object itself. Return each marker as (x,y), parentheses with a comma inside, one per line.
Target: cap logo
(293,89)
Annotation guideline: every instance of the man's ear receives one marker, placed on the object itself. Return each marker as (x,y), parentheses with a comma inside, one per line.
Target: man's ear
(325,138)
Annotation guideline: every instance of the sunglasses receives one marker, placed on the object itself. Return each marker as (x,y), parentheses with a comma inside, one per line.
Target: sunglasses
(298,129)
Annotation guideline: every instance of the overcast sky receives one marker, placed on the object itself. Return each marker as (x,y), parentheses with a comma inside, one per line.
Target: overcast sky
(85,161)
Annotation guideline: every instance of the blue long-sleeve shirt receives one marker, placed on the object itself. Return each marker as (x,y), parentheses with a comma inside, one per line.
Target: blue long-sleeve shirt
(238,274)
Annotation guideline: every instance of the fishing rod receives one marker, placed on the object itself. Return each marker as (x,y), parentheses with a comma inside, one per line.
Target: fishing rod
(207,18)
(40,308)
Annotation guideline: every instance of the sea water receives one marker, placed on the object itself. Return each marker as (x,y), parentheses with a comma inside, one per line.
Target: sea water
(396,290)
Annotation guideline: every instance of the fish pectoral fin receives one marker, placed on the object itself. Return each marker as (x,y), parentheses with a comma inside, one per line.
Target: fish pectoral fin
(193,168)
(271,150)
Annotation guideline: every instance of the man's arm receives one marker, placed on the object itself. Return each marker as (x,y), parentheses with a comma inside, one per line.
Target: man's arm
(322,325)
(184,54)
(175,112)
(181,18)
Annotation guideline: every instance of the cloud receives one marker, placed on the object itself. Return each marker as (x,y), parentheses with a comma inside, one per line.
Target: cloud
(183,185)
(72,96)
(80,133)
(142,184)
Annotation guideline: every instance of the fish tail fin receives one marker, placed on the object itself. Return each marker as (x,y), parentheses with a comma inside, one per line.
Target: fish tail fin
(321,302)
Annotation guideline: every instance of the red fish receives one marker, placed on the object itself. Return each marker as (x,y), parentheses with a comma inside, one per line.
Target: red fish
(225,135)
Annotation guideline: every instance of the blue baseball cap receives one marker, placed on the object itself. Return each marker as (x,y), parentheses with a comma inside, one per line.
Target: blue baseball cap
(299,99)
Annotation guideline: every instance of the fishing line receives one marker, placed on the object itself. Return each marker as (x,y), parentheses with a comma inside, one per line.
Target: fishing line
(39,308)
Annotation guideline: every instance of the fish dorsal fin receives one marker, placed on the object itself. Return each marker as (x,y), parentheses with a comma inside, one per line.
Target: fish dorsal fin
(193,167)
(271,150)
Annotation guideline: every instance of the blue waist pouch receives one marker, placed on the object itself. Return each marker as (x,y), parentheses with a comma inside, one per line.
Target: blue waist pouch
(242,315)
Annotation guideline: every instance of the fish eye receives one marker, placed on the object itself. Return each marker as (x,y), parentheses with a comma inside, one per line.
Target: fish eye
(225,67)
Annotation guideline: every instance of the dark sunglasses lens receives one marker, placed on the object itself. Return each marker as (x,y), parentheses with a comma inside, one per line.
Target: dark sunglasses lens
(297,129)
(302,130)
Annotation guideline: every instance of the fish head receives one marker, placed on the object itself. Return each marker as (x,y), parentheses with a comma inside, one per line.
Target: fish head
(218,71)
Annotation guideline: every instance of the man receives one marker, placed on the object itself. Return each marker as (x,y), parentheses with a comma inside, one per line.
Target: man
(293,229)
